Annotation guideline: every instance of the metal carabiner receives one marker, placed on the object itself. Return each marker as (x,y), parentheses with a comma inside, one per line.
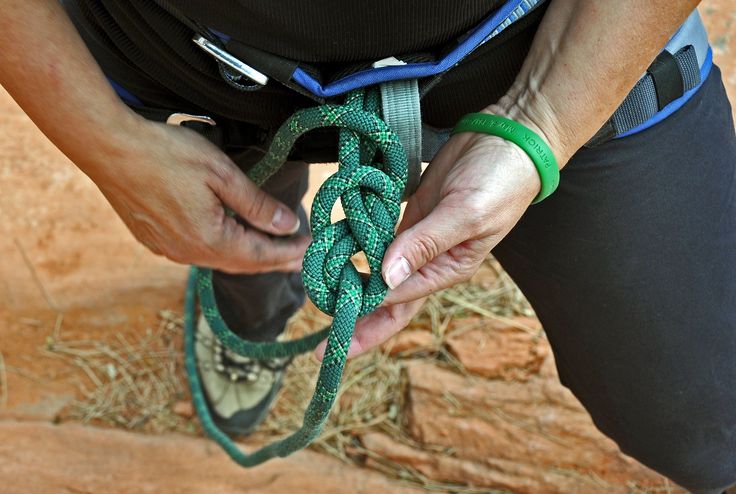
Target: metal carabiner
(230,61)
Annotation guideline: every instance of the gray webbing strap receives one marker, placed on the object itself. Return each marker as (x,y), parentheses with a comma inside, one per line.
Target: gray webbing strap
(400,105)
(402,113)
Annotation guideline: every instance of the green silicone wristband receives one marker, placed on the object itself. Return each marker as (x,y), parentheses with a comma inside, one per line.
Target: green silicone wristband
(533,145)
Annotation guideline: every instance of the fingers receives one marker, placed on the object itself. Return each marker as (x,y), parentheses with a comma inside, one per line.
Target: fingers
(250,202)
(446,226)
(454,266)
(245,250)
(376,327)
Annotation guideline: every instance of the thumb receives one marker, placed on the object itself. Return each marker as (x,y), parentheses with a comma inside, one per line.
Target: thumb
(251,203)
(439,231)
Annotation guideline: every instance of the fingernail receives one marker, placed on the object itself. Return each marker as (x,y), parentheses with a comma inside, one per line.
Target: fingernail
(285,221)
(398,271)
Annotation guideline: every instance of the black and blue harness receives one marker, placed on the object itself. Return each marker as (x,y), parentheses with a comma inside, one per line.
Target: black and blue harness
(674,76)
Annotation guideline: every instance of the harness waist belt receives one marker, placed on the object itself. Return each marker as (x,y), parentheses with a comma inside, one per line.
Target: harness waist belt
(302,79)
(674,76)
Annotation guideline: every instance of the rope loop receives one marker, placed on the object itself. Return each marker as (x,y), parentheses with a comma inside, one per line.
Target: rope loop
(369,183)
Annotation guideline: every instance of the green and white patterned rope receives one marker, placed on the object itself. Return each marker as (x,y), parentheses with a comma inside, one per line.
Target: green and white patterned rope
(370,193)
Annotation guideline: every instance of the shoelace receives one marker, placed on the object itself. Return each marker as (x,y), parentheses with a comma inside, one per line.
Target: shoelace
(234,367)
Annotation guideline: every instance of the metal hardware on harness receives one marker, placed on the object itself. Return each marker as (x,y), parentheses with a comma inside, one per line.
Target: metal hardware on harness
(230,61)
(180,118)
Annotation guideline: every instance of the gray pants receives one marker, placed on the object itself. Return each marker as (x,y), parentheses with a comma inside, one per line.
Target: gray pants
(257,306)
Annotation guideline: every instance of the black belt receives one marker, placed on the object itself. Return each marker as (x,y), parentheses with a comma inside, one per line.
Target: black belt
(234,136)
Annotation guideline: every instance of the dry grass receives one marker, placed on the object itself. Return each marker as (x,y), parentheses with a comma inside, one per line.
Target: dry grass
(372,392)
(129,383)
(490,293)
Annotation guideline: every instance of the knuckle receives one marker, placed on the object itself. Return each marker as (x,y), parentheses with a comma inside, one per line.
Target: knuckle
(209,242)
(424,248)
(225,173)
(205,249)
(463,261)
(405,318)
(252,250)
(476,217)
(257,251)
(466,271)
(257,205)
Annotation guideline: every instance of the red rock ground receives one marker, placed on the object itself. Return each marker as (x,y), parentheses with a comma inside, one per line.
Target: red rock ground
(67,262)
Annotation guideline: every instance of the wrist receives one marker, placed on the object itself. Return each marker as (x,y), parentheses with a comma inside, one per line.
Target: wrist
(110,143)
(519,171)
(532,110)
(527,144)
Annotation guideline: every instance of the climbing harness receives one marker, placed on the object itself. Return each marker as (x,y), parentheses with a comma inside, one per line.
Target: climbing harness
(381,146)
(305,80)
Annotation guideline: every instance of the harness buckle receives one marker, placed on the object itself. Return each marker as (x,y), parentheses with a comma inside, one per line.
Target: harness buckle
(180,118)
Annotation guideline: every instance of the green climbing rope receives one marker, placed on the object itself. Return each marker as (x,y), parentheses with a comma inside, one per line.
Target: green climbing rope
(370,193)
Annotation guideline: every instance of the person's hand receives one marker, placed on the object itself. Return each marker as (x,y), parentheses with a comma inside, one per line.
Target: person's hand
(470,197)
(169,186)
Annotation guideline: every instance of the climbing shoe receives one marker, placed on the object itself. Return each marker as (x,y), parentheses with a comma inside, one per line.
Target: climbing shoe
(239,390)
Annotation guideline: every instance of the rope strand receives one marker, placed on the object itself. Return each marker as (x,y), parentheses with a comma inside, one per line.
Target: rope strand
(370,193)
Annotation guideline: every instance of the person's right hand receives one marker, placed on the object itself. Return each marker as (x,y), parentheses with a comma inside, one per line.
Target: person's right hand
(169,186)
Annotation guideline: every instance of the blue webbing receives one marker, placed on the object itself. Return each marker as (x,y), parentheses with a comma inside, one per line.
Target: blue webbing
(487,30)
(506,15)
(502,18)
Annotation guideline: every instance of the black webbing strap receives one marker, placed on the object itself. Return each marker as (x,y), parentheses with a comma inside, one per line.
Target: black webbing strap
(224,134)
(278,68)
(668,82)
(234,136)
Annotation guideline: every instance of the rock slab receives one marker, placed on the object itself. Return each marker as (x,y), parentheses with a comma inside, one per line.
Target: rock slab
(41,458)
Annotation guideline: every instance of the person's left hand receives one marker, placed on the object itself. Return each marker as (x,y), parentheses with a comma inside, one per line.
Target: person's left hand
(470,196)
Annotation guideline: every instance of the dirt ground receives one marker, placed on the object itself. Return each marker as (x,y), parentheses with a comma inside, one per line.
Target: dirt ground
(71,272)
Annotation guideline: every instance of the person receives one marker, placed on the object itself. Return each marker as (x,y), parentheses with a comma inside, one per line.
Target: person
(630,265)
